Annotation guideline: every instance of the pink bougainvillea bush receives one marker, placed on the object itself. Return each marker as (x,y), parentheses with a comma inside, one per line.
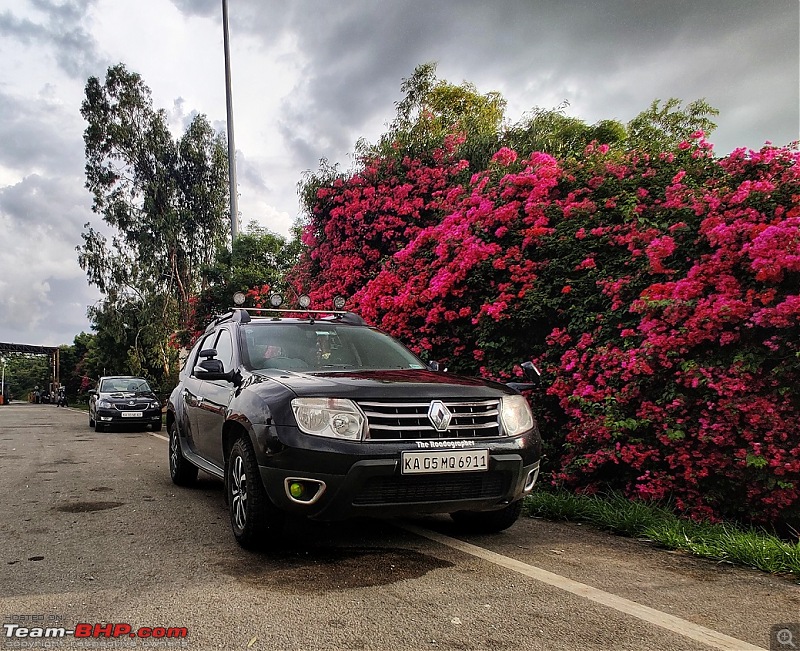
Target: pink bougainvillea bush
(659,292)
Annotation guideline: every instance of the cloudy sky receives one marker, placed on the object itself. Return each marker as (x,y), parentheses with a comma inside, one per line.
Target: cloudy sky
(312,76)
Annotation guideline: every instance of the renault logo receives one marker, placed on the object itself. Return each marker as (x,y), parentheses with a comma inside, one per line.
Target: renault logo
(439,415)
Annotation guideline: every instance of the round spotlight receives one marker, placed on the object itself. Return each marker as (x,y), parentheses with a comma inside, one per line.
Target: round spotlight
(304,301)
(238,298)
(339,302)
(276,300)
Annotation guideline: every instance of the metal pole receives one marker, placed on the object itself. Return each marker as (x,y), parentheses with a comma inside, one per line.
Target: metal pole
(3,382)
(234,202)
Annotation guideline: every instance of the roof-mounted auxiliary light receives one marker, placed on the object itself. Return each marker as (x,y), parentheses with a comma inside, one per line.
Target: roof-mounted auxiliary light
(275,300)
(339,302)
(304,301)
(239,298)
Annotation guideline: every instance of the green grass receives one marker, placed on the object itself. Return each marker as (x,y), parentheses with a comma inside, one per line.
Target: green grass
(720,542)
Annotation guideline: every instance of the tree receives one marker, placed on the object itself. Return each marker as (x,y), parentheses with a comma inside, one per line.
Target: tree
(436,114)
(663,127)
(165,203)
(24,372)
(256,265)
(553,132)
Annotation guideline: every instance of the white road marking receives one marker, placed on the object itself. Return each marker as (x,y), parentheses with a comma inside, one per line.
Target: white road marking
(672,623)
(159,436)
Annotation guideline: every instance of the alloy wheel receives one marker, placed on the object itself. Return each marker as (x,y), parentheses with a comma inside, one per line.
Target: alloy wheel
(239,493)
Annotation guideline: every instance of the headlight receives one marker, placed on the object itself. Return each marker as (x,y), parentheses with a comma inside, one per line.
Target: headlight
(337,418)
(516,415)
(105,404)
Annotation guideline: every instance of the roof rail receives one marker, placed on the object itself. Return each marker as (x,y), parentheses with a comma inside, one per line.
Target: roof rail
(237,315)
(350,318)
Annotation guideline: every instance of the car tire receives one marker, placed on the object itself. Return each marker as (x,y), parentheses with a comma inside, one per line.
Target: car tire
(182,471)
(98,427)
(253,516)
(488,521)
(157,427)
(91,421)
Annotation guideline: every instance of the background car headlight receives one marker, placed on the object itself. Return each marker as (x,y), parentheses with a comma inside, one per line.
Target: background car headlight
(105,404)
(332,417)
(515,412)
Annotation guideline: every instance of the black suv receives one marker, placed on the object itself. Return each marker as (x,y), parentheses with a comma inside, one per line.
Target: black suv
(323,416)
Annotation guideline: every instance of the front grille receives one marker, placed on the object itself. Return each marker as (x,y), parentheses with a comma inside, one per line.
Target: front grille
(139,406)
(442,488)
(403,421)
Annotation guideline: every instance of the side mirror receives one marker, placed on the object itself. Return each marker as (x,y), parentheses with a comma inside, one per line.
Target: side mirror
(532,374)
(208,352)
(435,366)
(209,366)
(212,369)
(92,392)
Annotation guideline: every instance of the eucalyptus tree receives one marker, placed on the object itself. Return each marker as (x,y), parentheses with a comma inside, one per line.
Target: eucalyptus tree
(163,202)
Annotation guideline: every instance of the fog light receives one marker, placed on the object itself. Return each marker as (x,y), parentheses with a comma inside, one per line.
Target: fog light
(302,490)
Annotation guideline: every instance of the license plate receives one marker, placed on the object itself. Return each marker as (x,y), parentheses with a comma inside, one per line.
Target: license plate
(420,463)
(131,414)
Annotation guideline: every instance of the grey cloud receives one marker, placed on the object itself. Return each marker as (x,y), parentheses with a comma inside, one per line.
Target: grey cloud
(43,207)
(36,134)
(68,11)
(63,29)
(46,313)
(198,7)
(43,291)
(249,173)
(609,59)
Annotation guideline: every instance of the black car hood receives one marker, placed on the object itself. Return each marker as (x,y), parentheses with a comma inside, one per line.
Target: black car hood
(387,384)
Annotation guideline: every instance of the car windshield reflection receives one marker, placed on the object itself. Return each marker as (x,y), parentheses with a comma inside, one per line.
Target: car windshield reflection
(323,347)
(124,385)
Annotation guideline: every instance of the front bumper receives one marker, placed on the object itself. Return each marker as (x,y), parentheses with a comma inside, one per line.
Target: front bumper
(115,417)
(348,479)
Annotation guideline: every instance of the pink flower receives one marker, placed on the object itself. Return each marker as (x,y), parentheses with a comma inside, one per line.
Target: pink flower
(505,157)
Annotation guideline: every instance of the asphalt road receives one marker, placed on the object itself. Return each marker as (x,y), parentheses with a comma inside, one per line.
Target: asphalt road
(93,531)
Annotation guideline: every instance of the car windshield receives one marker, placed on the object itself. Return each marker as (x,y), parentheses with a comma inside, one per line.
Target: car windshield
(124,384)
(323,347)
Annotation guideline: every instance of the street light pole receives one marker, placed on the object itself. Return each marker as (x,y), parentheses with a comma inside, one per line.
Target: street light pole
(3,382)
(234,202)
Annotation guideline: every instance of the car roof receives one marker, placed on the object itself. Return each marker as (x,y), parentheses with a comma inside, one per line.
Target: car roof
(242,316)
(123,377)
